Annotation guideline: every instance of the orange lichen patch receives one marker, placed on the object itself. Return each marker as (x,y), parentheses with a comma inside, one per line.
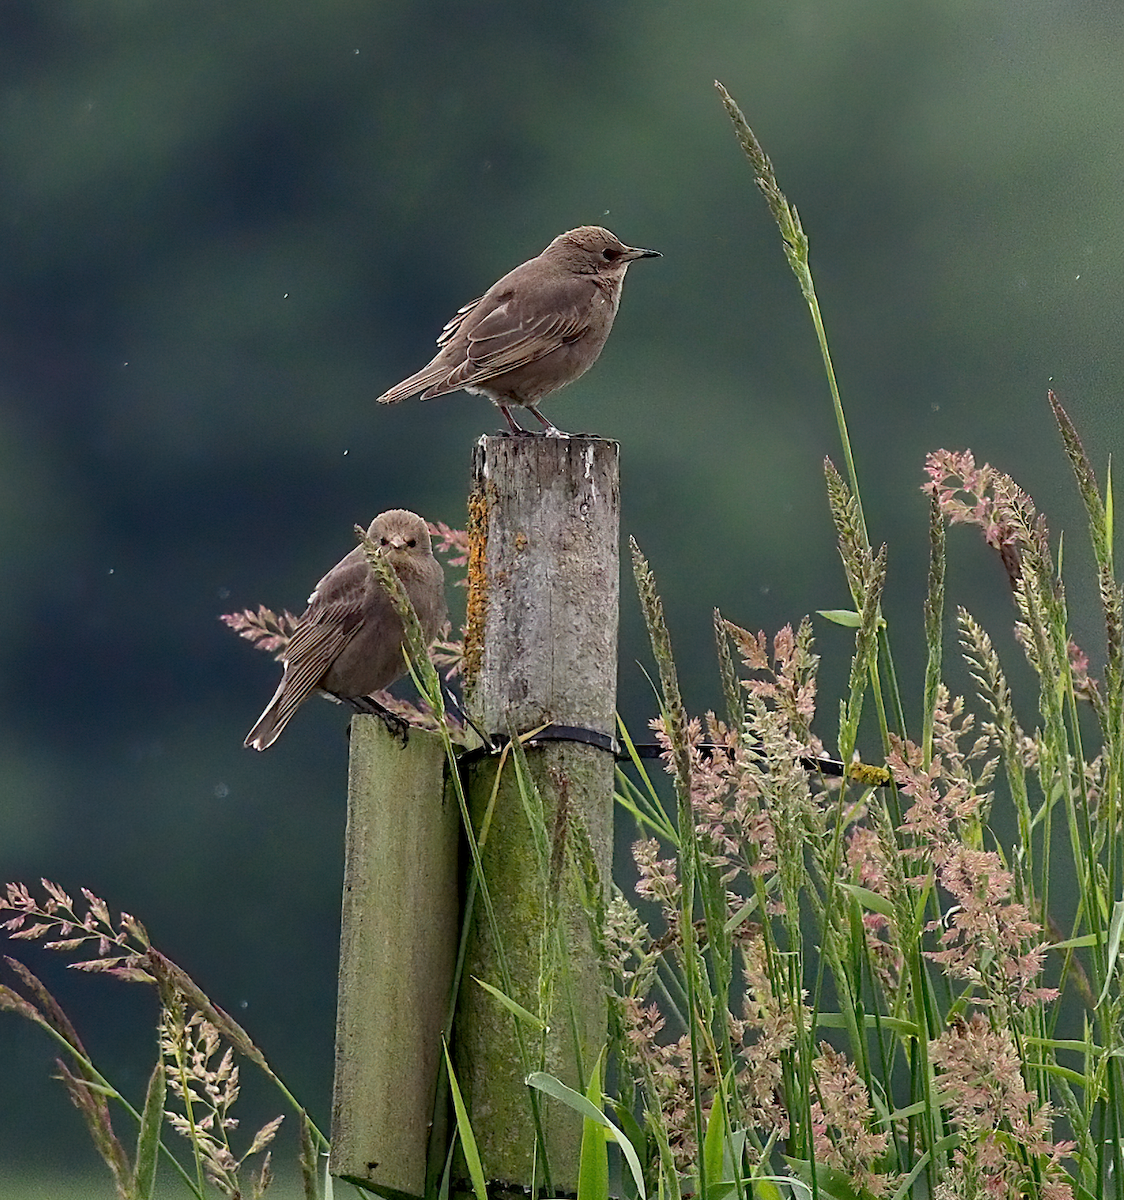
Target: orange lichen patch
(477,607)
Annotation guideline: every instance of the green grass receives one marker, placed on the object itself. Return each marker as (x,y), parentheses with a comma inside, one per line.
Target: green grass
(52,1184)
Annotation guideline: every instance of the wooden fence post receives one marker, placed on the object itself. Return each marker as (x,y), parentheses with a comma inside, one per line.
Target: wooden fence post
(397,949)
(541,649)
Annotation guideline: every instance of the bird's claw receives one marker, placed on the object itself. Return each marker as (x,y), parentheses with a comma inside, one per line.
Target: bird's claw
(396,726)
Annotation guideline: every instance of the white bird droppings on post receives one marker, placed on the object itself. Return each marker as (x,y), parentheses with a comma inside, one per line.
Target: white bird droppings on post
(590,476)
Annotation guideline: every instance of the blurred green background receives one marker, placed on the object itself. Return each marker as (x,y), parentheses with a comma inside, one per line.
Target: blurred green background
(226,227)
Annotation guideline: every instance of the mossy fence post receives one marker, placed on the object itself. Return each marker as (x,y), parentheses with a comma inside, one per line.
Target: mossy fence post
(541,650)
(398,941)
(544,582)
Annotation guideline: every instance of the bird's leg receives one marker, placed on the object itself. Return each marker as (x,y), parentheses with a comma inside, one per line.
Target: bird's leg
(396,726)
(517,430)
(550,429)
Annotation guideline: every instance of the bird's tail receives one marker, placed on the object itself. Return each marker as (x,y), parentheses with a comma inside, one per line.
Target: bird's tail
(411,387)
(277,715)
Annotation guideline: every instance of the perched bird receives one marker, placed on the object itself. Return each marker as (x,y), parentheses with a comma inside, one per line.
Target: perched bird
(348,642)
(535,330)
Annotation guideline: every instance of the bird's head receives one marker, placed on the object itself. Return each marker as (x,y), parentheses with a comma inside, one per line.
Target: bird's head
(400,534)
(591,250)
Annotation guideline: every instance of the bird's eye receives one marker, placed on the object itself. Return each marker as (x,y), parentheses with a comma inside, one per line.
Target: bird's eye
(384,540)
(412,543)
(610,255)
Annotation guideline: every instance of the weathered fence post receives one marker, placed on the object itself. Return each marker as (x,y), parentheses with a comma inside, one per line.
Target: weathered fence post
(397,948)
(541,649)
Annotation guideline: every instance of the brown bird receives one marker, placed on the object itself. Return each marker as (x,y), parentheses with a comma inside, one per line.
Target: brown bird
(535,330)
(348,641)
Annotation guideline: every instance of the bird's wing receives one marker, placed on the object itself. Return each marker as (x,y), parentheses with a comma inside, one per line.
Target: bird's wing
(314,645)
(455,322)
(503,338)
(332,618)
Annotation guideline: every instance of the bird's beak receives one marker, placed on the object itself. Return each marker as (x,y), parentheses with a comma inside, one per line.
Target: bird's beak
(632,252)
(397,543)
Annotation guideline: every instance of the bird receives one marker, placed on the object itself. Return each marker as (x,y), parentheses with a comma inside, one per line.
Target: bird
(538,328)
(348,641)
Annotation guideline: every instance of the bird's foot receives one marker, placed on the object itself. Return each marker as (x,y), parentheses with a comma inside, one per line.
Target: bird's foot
(549,429)
(396,726)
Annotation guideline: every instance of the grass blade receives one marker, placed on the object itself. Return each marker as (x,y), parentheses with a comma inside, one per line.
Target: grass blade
(576,1101)
(148,1136)
(593,1169)
(464,1131)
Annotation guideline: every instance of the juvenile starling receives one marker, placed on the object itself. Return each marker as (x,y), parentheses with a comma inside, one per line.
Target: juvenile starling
(348,641)
(535,330)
